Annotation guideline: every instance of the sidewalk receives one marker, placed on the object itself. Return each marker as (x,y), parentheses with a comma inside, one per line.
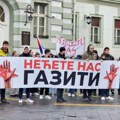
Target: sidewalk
(74,109)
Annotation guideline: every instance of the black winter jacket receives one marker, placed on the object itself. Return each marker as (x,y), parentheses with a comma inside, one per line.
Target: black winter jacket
(25,55)
(106,57)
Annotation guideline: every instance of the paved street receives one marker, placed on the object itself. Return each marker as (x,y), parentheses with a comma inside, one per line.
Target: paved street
(74,109)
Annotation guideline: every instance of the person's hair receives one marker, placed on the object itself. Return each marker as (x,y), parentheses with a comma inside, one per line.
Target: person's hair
(95,51)
(88,48)
(5,42)
(47,51)
(37,53)
(30,51)
(13,52)
(106,48)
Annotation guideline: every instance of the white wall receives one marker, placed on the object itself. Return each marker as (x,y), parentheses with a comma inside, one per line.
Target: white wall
(108,14)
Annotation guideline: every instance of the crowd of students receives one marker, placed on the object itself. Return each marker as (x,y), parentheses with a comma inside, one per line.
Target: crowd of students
(44,93)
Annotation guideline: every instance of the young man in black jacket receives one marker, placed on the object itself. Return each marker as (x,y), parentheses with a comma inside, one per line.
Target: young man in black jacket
(25,54)
(60,91)
(47,55)
(105,92)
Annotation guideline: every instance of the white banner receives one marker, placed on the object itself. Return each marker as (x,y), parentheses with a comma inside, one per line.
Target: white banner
(73,48)
(20,72)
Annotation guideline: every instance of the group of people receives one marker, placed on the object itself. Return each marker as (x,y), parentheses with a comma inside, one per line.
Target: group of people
(90,54)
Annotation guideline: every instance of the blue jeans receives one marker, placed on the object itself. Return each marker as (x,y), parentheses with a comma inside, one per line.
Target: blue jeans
(104,92)
(21,93)
(72,91)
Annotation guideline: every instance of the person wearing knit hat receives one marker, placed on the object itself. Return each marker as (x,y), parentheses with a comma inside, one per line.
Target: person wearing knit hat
(62,49)
(60,91)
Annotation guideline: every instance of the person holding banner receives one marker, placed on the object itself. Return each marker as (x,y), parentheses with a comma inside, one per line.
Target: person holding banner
(105,92)
(47,55)
(31,53)
(89,55)
(119,81)
(4,52)
(71,92)
(60,98)
(28,100)
(14,91)
(97,58)
(34,91)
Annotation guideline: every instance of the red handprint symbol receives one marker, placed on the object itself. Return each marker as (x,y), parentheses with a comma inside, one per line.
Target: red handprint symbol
(111,75)
(6,73)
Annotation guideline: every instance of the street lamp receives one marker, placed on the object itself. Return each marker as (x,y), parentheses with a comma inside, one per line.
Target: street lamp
(87,19)
(29,11)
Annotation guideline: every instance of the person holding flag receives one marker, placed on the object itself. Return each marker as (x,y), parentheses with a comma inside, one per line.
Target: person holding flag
(39,45)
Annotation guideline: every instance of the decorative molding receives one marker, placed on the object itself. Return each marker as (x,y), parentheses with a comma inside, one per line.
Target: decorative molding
(118,12)
(113,1)
(96,9)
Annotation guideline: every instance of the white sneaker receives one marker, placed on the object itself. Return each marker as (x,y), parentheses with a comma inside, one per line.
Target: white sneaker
(29,100)
(80,94)
(41,97)
(109,98)
(36,94)
(48,97)
(20,101)
(69,94)
(24,94)
(73,95)
(102,98)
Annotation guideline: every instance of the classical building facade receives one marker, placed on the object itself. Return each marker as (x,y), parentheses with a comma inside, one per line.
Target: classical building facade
(104,28)
(50,18)
(96,20)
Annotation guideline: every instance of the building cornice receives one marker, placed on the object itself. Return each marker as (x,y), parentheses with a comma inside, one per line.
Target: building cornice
(113,1)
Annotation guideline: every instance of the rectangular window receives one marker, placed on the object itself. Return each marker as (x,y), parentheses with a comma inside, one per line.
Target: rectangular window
(117,31)
(95,29)
(40,19)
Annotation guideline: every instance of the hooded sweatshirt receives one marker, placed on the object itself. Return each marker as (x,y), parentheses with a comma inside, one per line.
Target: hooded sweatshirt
(89,55)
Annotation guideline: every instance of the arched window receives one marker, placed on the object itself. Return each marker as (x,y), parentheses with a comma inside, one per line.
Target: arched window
(2,14)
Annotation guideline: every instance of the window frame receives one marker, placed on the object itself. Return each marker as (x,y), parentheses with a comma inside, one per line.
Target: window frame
(3,13)
(115,34)
(38,16)
(92,34)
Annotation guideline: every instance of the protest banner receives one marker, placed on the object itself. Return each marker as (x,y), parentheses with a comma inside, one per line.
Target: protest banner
(16,72)
(73,48)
